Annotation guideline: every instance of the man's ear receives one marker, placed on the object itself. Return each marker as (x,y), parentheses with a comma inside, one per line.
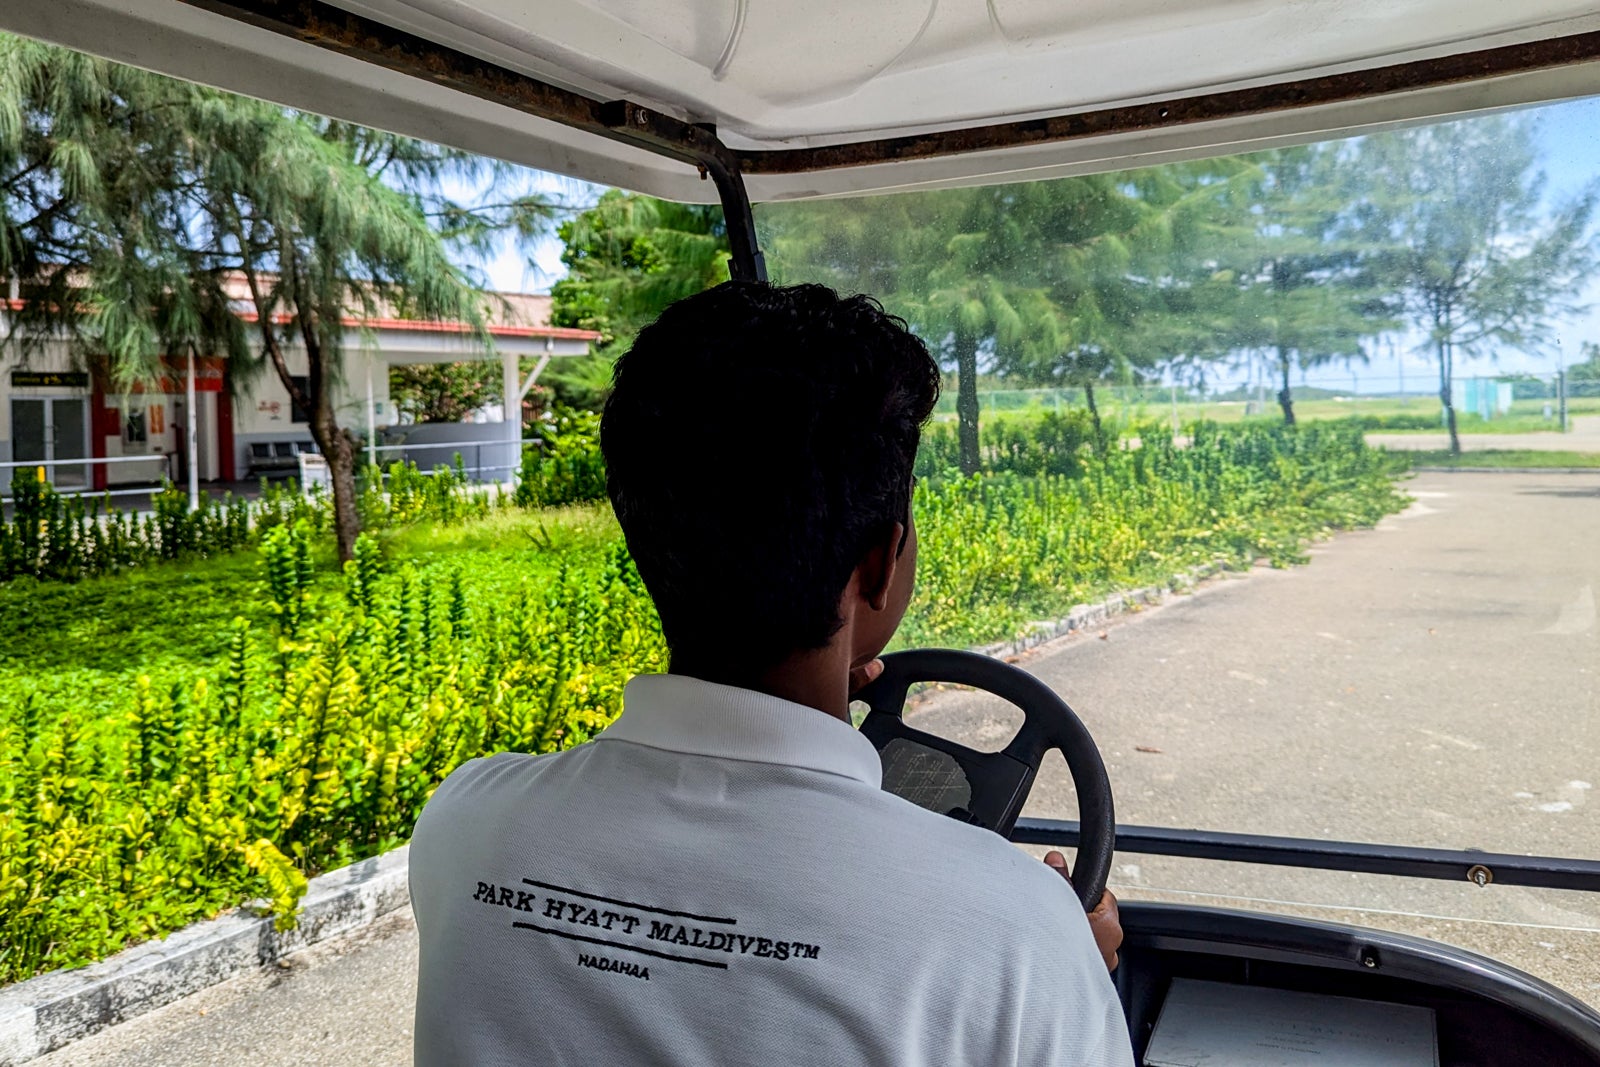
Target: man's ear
(875,572)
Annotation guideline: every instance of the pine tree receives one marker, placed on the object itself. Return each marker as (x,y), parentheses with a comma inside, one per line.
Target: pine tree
(1473,257)
(627,258)
(970,269)
(1103,252)
(1301,295)
(129,203)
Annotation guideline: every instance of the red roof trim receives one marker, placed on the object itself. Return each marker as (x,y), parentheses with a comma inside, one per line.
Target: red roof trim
(557,333)
(566,333)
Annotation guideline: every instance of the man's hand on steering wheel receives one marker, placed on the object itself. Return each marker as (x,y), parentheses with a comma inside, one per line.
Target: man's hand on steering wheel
(865,674)
(1104,921)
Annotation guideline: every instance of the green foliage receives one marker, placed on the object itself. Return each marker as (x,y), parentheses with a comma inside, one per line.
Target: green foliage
(286,573)
(1395,421)
(630,256)
(1463,242)
(443,392)
(306,755)
(361,575)
(1290,289)
(1046,282)
(627,258)
(1589,369)
(403,494)
(1518,458)
(567,467)
(1053,443)
(1000,551)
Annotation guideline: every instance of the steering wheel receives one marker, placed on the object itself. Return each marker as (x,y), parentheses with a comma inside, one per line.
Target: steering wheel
(988,788)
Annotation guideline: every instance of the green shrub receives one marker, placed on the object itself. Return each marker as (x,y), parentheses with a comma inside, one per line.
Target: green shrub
(401,494)
(566,466)
(317,745)
(60,538)
(1002,550)
(1053,443)
(1399,421)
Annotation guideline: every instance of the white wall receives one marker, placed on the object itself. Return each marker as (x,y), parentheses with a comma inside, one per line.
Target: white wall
(262,411)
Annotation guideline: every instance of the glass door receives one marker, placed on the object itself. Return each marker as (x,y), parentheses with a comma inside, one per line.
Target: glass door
(47,430)
(69,437)
(28,430)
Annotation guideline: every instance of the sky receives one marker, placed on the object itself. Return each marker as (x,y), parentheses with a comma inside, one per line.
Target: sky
(1569,138)
(512,269)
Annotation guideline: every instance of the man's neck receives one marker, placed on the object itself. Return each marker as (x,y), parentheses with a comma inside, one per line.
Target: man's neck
(817,679)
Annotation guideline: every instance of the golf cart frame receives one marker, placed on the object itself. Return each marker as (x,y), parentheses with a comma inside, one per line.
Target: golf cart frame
(370,41)
(1481,1006)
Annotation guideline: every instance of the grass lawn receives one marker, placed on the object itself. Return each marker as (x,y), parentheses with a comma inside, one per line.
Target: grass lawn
(82,645)
(1526,416)
(1508,458)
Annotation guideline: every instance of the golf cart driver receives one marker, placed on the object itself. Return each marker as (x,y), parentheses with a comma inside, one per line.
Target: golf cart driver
(718,877)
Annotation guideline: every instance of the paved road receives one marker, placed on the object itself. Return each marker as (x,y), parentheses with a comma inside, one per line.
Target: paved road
(1431,682)
(1584,437)
(346,1004)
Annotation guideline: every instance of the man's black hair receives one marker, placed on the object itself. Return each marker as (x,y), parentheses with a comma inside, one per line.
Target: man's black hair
(758,441)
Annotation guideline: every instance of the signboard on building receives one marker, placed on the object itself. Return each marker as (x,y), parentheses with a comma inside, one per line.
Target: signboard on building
(49,379)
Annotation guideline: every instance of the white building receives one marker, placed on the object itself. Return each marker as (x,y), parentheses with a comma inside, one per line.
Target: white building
(53,411)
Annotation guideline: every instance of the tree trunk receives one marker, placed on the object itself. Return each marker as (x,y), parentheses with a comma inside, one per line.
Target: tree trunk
(967,402)
(1285,395)
(1094,416)
(341,456)
(336,446)
(1445,397)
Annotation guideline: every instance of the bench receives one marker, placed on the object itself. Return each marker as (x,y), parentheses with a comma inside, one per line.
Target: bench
(278,459)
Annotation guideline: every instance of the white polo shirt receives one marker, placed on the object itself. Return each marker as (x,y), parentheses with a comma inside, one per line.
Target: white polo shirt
(718,879)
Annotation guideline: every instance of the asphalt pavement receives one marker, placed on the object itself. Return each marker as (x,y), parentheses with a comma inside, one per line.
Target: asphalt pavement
(1435,681)
(345,1003)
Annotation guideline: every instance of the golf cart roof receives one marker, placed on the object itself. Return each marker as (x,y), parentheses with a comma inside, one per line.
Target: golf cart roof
(839,96)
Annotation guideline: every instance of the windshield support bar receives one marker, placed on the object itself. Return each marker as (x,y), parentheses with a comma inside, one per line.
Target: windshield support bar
(1450,865)
(747,262)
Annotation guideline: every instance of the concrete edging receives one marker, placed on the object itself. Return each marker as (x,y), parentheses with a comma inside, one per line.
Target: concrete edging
(1086,615)
(1506,470)
(53,1010)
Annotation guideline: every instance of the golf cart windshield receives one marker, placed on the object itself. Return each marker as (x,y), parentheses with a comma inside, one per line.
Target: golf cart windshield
(1133,316)
(1427,679)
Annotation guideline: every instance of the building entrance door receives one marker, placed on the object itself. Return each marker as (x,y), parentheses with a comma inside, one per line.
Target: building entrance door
(50,430)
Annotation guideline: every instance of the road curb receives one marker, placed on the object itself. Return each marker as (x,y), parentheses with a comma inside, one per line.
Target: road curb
(1084,616)
(53,1010)
(46,1013)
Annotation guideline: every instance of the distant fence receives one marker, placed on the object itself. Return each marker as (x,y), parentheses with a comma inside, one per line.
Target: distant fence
(483,461)
(70,477)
